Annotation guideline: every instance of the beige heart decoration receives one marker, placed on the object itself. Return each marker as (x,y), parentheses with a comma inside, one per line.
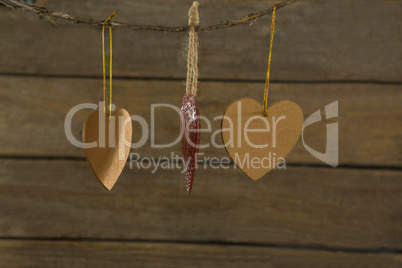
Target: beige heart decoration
(107,144)
(258,143)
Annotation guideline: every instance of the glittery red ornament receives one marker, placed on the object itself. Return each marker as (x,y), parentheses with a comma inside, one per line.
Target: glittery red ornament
(189,130)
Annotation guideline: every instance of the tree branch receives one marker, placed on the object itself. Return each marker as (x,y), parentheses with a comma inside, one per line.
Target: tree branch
(51,14)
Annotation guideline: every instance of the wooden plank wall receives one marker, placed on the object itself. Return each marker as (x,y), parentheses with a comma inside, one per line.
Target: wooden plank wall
(54,213)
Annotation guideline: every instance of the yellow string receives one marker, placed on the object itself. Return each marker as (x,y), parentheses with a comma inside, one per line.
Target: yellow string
(265,102)
(110,65)
(110,81)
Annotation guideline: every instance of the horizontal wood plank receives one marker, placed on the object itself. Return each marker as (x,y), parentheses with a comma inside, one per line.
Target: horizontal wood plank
(33,111)
(52,254)
(314,40)
(343,208)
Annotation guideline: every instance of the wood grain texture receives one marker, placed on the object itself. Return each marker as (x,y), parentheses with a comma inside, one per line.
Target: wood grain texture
(299,209)
(314,40)
(369,115)
(50,254)
(338,208)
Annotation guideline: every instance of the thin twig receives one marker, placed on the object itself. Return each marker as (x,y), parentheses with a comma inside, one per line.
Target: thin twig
(51,14)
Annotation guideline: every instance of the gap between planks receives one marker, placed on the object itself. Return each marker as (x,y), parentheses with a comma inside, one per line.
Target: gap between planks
(146,159)
(217,80)
(215,243)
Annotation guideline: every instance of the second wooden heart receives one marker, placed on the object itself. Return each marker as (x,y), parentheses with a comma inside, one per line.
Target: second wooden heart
(258,143)
(108,142)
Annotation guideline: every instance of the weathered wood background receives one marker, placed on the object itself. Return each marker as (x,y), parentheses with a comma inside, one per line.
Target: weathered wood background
(54,213)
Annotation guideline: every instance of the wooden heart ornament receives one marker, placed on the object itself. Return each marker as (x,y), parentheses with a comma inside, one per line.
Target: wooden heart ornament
(107,144)
(258,143)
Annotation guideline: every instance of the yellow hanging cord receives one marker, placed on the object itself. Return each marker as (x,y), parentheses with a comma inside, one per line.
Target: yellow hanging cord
(265,102)
(110,65)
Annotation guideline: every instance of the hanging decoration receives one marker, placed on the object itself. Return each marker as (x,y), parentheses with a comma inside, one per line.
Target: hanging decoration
(257,137)
(107,138)
(189,114)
